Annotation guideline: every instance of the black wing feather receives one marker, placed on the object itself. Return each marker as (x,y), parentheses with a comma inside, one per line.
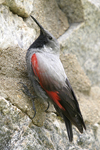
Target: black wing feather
(69,128)
(72,110)
(50,81)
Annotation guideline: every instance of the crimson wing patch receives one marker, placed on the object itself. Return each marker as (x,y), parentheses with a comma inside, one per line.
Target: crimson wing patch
(44,81)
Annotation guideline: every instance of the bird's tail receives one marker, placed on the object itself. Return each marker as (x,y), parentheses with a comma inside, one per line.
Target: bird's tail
(69,128)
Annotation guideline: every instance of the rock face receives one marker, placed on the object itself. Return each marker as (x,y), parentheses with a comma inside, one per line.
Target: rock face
(73,10)
(80,56)
(22,8)
(83,40)
(18,132)
(52,18)
(13,31)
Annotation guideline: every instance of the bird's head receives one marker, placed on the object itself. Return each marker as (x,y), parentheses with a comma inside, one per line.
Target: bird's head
(46,39)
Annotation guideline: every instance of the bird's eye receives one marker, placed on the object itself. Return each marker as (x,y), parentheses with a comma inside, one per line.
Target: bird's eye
(50,38)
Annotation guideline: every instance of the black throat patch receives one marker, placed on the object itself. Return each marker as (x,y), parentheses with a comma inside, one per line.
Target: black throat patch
(40,41)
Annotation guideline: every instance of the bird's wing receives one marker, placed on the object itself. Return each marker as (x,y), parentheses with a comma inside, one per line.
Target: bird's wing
(51,77)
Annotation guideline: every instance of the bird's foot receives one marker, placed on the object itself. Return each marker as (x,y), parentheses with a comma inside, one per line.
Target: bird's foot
(26,91)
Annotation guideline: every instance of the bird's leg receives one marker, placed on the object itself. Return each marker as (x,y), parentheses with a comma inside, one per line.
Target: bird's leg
(26,91)
(47,106)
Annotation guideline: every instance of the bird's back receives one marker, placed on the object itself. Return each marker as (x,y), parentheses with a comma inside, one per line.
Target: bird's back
(50,81)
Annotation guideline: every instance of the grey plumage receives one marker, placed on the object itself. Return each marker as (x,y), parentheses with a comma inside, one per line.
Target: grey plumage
(49,79)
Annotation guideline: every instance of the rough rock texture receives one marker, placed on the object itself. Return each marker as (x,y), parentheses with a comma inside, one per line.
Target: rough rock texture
(18,133)
(73,10)
(15,34)
(83,40)
(75,73)
(13,31)
(88,99)
(21,7)
(80,56)
(52,18)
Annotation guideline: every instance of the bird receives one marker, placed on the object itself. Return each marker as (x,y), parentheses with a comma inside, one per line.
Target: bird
(50,81)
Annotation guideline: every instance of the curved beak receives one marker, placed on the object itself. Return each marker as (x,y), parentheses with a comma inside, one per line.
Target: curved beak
(41,28)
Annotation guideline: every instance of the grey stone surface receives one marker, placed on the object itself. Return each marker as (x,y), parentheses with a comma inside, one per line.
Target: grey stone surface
(73,10)
(80,57)
(21,7)
(88,98)
(18,133)
(13,30)
(13,70)
(51,18)
(83,40)
(75,73)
